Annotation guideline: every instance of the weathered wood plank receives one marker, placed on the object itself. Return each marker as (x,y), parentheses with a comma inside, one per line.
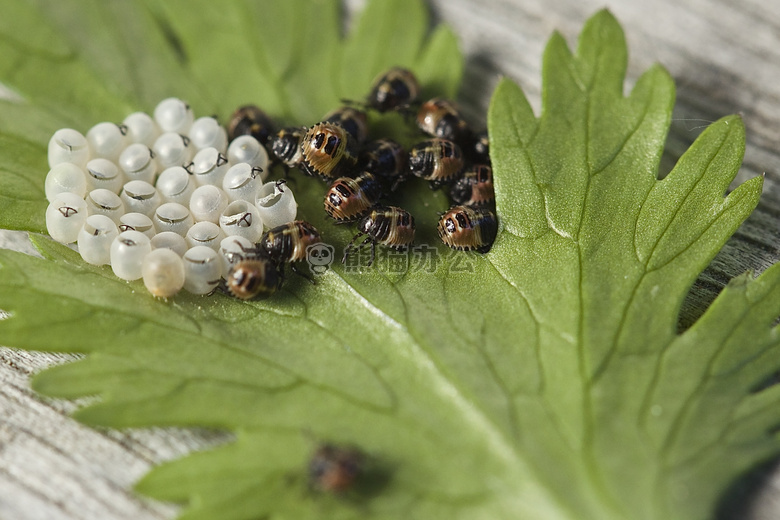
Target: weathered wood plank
(725,58)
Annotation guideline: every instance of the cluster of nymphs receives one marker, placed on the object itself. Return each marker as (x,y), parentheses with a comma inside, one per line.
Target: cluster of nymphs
(182,203)
(362,173)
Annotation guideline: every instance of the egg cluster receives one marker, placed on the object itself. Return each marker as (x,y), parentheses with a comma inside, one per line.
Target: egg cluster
(163,197)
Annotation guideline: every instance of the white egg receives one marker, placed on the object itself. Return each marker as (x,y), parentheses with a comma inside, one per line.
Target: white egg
(172,149)
(173,115)
(138,163)
(137,222)
(141,128)
(68,145)
(176,184)
(102,173)
(207,203)
(163,272)
(107,140)
(95,239)
(65,217)
(170,240)
(202,270)
(172,216)
(103,202)
(276,204)
(209,167)
(140,197)
(233,250)
(240,218)
(246,148)
(242,182)
(205,234)
(206,132)
(127,254)
(65,178)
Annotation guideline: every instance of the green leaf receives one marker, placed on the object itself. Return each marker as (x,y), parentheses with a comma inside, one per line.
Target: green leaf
(385,35)
(440,65)
(22,198)
(603,254)
(543,380)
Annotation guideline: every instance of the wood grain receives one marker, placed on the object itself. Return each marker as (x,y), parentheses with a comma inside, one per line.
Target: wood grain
(724,57)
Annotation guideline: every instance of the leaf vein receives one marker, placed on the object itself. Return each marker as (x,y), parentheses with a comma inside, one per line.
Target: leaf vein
(670,178)
(724,210)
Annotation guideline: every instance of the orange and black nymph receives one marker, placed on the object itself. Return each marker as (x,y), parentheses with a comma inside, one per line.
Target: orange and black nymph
(396,89)
(468,228)
(475,188)
(286,145)
(335,469)
(287,243)
(389,226)
(439,117)
(250,120)
(327,152)
(386,159)
(254,277)
(438,161)
(354,121)
(348,199)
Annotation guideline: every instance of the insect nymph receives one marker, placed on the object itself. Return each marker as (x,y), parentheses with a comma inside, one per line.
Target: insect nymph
(250,120)
(287,243)
(466,228)
(335,469)
(389,226)
(348,199)
(475,188)
(327,151)
(395,89)
(386,159)
(253,275)
(440,117)
(286,145)
(354,121)
(438,161)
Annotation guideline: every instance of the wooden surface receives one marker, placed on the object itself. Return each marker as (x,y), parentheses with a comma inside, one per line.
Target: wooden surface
(725,58)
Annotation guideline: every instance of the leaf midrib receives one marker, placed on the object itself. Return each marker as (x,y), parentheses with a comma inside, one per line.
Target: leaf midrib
(504,450)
